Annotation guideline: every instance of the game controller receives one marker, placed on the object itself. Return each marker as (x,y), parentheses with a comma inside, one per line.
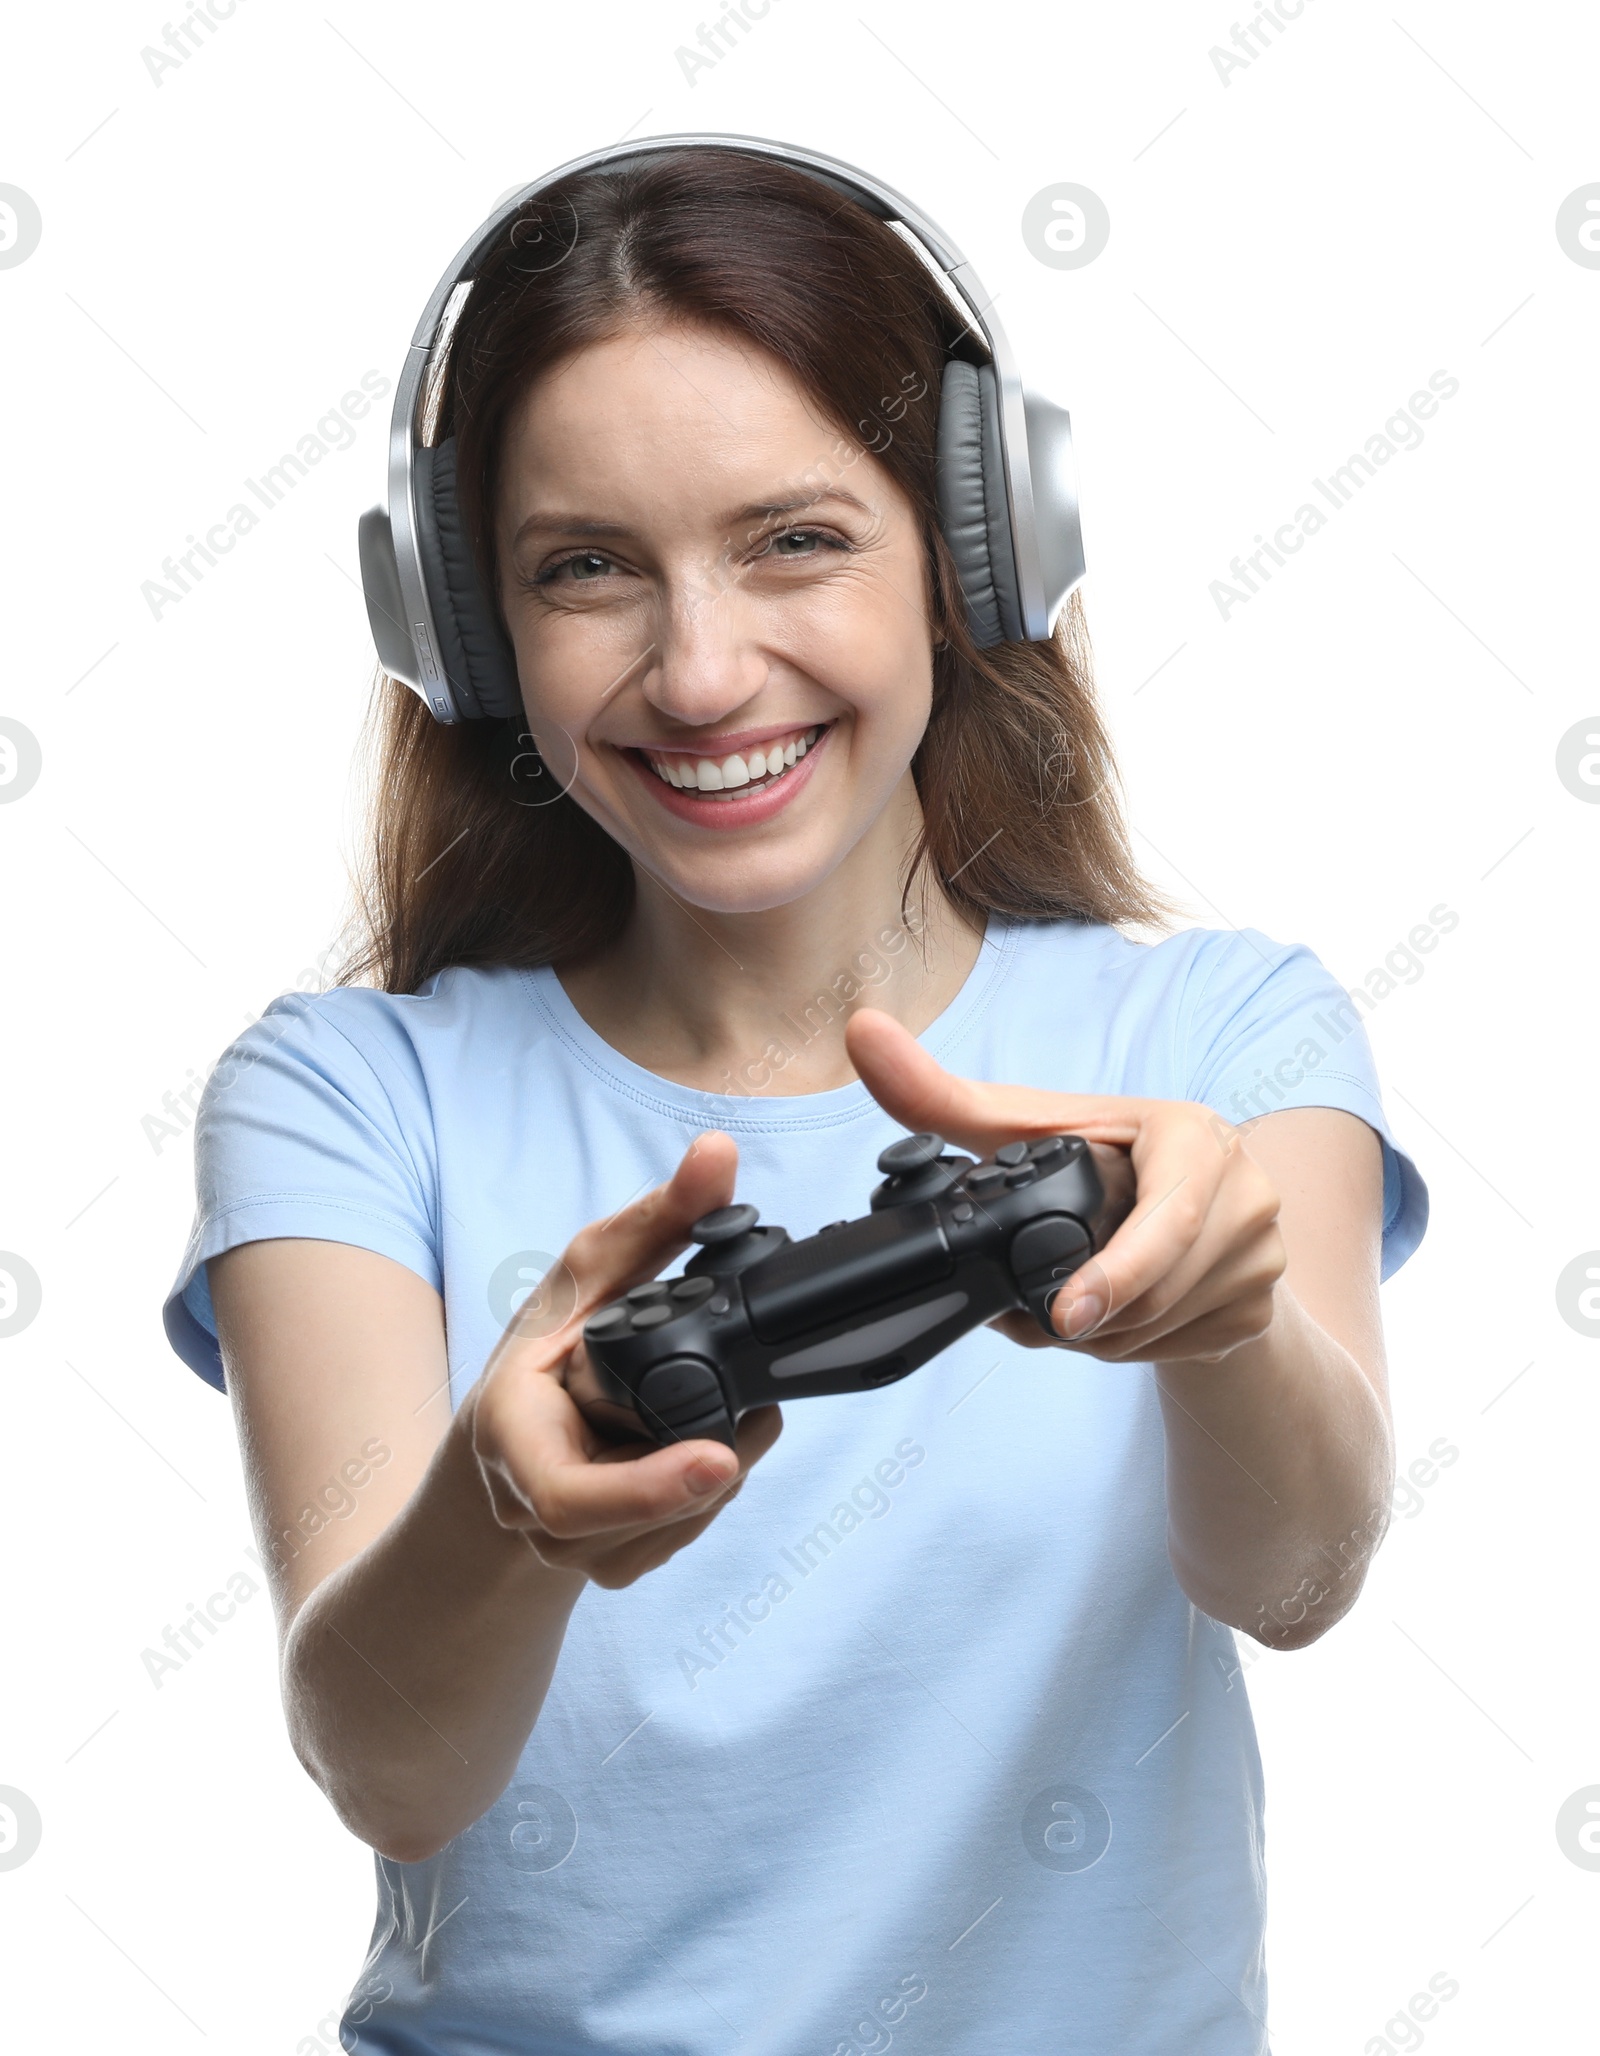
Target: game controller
(948,1244)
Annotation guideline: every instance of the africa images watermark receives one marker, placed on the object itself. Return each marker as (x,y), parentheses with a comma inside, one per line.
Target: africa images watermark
(180,573)
(183,40)
(1402,431)
(868,1500)
(718,40)
(178,1108)
(1251,40)
(827,1009)
(1401,966)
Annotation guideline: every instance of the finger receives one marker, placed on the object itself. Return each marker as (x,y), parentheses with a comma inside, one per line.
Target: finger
(1178,1176)
(1206,1339)
(921,1094)
(626,1247)
(541,1458)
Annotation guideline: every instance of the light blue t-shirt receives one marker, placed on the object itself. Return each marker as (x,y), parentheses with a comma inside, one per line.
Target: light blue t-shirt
(920,1742)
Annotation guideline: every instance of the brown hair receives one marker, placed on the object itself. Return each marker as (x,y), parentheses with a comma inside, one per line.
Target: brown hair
(1014,772)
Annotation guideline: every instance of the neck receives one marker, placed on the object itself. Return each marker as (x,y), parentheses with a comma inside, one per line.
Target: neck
(754,1004)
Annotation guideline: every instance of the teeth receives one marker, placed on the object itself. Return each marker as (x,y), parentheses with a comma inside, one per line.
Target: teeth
(734,771)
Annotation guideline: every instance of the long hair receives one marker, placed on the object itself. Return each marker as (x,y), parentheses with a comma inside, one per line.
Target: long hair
(1021,813)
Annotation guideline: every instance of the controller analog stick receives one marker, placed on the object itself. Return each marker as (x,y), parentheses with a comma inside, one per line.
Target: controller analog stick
(730,1241)
(915,1169)
(727,1224)
(912,1153)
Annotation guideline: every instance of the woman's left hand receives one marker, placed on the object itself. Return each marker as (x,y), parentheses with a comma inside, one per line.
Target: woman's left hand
(1191,1272)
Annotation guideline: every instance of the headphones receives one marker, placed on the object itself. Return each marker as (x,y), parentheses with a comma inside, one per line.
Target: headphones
(1007,490)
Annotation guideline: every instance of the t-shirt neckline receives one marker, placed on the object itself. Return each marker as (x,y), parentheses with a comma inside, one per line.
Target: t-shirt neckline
(764,1112)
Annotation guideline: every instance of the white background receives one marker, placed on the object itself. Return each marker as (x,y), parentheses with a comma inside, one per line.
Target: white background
(1292,253)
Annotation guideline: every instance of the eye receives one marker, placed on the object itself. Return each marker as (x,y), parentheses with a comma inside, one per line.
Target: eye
(800,542)
(585,566)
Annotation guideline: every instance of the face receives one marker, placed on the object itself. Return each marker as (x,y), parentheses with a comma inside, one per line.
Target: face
(719,610)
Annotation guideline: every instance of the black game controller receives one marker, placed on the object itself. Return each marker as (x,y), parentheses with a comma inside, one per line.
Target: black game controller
(949,1243)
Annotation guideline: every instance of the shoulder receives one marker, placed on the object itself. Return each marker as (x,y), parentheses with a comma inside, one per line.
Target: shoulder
(452,1002)
(1172,972)
(366,1044)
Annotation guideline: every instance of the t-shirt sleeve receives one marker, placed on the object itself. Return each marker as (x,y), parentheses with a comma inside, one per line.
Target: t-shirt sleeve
(307,1127)
(1271,1027)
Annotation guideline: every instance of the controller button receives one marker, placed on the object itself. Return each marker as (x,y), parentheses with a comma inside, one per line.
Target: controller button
(652,1316)
(647,1295)
(719,1305)
(610,1320)
(982,1183)
(962,1211)
(727,1223)
(1010,1153)
(1048,1152)
(911,1153)
(1022,1174)
(690,1291)
(680,1387)
(1044,1245)
(828,1227)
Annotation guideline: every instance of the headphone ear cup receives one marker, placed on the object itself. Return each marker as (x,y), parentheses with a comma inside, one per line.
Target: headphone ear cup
(974,512)
(476,658)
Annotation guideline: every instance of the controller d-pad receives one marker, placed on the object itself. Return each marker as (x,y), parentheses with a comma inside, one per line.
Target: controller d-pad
(1011,1153)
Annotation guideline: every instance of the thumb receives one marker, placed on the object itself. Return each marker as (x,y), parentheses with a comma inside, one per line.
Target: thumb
(911,1086)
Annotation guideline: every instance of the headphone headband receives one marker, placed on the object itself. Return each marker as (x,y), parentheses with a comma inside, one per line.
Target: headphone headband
(1008,494)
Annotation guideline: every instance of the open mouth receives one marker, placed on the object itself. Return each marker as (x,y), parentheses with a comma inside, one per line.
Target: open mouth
(742,775)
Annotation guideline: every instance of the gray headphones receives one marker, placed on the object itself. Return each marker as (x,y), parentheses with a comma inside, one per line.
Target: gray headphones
(1008,500)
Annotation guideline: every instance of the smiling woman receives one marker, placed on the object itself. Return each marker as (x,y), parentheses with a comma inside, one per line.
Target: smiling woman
(721,516)
(718,392)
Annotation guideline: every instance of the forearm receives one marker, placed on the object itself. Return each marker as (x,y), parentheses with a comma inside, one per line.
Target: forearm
(1279,1476)
(414,1673)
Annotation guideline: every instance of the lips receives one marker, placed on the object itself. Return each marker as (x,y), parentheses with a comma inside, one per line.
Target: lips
(724,776)
(746,795)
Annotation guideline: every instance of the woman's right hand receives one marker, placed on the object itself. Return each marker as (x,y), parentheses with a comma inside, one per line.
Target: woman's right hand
(583,1503)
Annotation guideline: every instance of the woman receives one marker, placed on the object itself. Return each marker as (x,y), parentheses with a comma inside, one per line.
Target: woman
(924,1720)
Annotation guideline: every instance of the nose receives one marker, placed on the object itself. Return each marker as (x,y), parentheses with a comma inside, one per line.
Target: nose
(708,660)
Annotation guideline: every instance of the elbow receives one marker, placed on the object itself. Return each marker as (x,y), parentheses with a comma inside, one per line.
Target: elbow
(1278,1622)
(382,1821)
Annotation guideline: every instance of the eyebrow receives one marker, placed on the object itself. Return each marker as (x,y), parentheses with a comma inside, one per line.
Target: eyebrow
(757,511)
